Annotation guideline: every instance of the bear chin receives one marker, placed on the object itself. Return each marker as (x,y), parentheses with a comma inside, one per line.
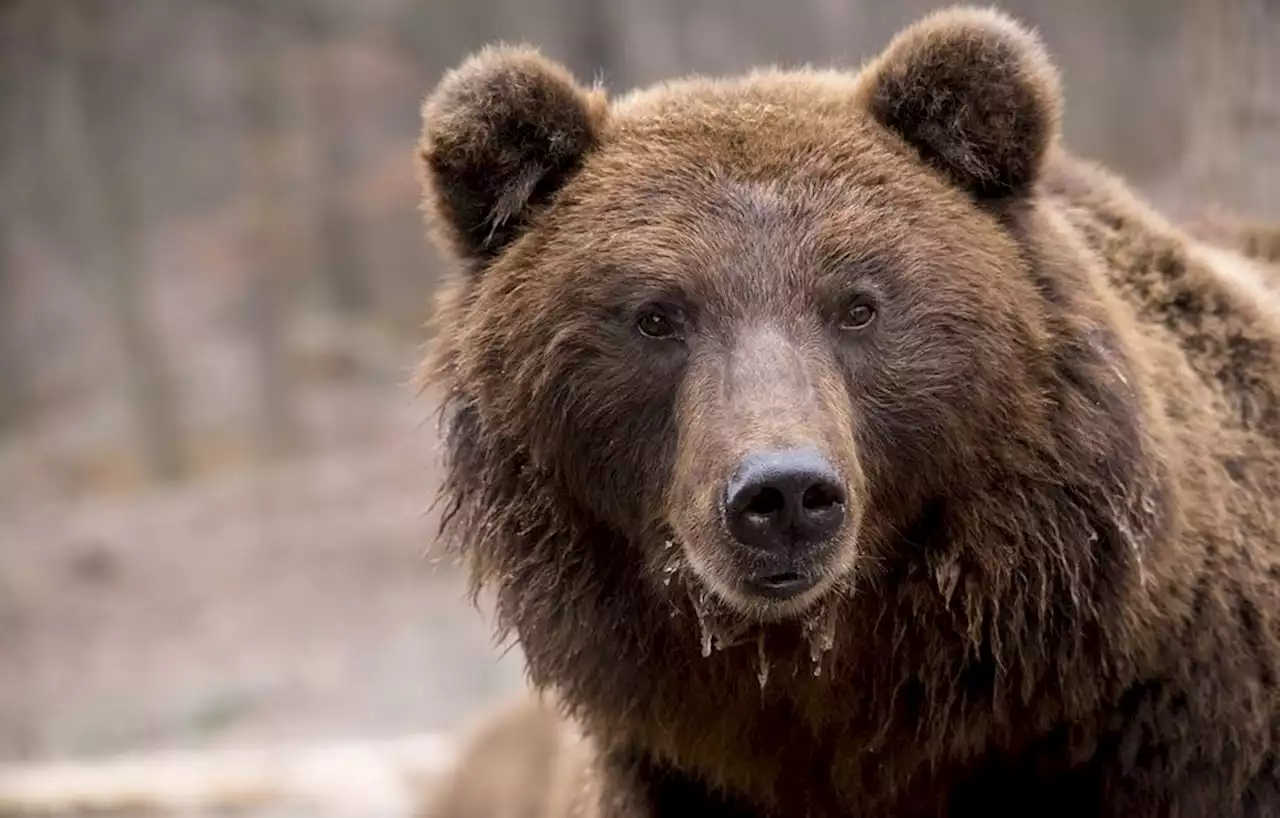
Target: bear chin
(773,592)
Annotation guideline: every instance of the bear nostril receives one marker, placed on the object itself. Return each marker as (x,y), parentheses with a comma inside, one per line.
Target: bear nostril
(766,502)
(822,496)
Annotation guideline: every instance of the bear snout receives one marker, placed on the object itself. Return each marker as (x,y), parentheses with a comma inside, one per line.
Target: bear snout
(782,508)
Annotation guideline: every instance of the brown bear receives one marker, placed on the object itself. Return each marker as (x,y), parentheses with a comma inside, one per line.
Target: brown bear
(838,444)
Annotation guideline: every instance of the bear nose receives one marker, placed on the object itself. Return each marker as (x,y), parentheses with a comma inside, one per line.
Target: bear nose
(784,500)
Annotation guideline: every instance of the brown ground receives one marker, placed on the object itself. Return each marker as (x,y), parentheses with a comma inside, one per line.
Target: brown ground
(284,606)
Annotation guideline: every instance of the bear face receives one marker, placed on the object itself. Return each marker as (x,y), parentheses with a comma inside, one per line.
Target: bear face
(757,326)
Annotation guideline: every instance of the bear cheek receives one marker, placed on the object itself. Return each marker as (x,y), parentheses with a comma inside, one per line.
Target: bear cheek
(609,430)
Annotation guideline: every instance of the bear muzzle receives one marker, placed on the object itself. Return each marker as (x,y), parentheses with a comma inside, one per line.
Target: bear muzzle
(782,507)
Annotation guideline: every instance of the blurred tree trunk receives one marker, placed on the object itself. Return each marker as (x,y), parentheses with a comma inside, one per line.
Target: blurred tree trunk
(280,429)
(15,114)
(1233,113)
(592,46)
(108,200)
(339,263)
(1260,30)
(1210,103)
(12,383)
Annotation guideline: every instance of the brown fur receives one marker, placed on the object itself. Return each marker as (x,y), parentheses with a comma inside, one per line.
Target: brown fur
(1056,589)
(524,760)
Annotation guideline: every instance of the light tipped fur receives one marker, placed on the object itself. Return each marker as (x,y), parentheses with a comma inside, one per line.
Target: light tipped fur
(975,93)
(501,132)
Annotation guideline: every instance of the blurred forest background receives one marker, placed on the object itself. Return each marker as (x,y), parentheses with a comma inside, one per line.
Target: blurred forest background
(214,475)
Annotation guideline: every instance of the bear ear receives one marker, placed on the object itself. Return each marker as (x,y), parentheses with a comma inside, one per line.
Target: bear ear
(501,134)
(975,93)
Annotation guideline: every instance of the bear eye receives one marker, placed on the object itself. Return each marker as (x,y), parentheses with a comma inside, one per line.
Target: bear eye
(654,323)
(858,316)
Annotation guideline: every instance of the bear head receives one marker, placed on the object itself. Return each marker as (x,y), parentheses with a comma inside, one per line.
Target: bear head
(767,333)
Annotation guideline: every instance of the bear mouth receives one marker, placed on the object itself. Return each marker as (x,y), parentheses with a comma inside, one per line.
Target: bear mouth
(803,640)
(753,587)
(782,585)
(776,592)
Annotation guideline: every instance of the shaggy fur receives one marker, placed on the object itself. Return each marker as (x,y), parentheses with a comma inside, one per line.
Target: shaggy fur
(1056,589)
